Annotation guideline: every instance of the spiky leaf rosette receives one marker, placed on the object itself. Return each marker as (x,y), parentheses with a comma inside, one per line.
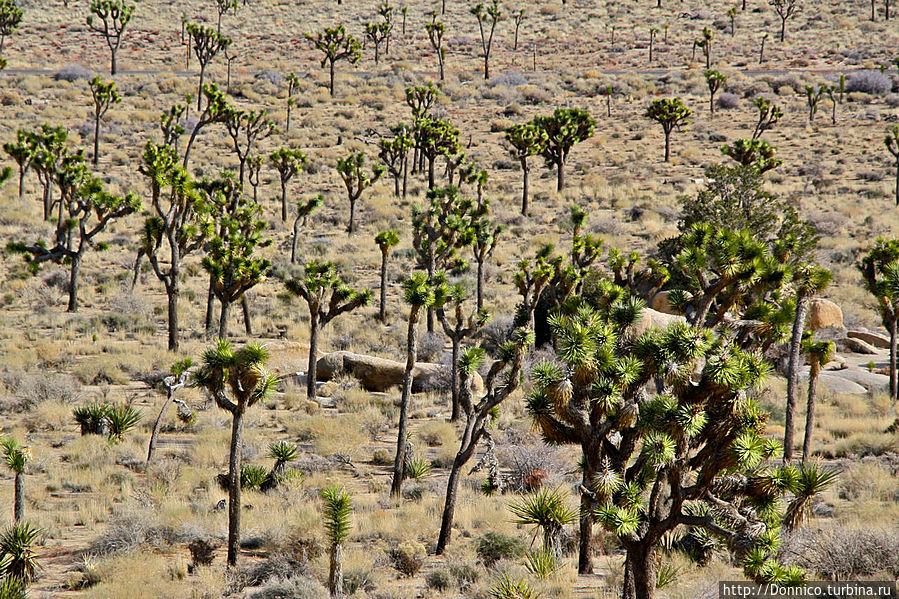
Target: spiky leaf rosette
(336,511)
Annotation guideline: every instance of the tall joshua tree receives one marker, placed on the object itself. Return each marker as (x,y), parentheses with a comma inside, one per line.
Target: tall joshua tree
(16,457)
(705,44)
(23,152)
(769,114)
(394,153)
(304,210)
(336,515)
(420,292)
(288,163)
(217,110)
(459,326)
(104,95)
(502,380)
(670,113)
(335,44)
(223,7)
(715,80)
(236,380)
(328,297)
(526,140)
(436,137)
(880,275)
(564,128)
(207,43)
(818,354)
(386,240)
(436,30)
(487,20)
(891,141)
(785,9)
(10,17)
(178,378)
(486,233)
(293,81)
(246,128)
(179,218)
(377,33)
(115,16)
(356,181)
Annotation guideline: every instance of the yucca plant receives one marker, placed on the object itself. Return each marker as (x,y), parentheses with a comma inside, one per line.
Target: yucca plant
(338,506)
(810,480)
(252,477)
(542,564)
(283,452)
(92,418)
(18,558)
(121,418)
(545,510)
(507,588)
(17,457)
(417,467)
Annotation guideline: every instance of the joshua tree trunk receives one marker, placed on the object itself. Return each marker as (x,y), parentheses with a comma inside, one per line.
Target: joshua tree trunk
(331,87)
(200,91)
(480,285)
(430,173)
(466,450)
(223,320)
(351,227)
(210,307)
(335,574)
(113,67)
(19,510)
(454,372)
(783,28)
(585,540)
(73,282)
(234,485)
(296,237)
(382,309)
(560,174)
(639,572)
(399,462)
(793,375)
(667,145)
(525,170)
(170,395)
(810,414)
(283,200)
(894,392)
(96,139)
(312,368)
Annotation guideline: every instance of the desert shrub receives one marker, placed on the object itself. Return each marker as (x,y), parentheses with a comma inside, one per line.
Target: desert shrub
(530,462)
(357,579)
(278,566)
(381,457)
(39,388)
(842,553)
(496,333)
(465,574)
(272,77)
(430,346)
(494,546)
(417,468)
(728,101)
(869,82)
(74,72)
(408,559)
(509,79)
(133,530)
(439,580)
(291,588)
(201,552)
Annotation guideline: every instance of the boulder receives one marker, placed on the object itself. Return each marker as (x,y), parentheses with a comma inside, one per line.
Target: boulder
(838,384)
(854,346)
(653,319)
(876,339)
(824,314)
(660,303)
(379,374)
(870,380)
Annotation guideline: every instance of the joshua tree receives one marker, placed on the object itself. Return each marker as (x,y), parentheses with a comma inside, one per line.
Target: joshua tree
(756,153)
(809,280)
(254,174)
(170,123)
(545,510)
(23,152)
(762,48)
(420,99)
(336,515)
(377,33)
(440,228)
(784,9)
(564,128)
(486,234)
(669,113)
(50,151)
(336,44)
(223,7)
(880,275)
(436,30)
(458,327)
(436,138)
(115,15)
(230,260)
(818,353)
(404,10)
(652,38)
(179,218)
(206,43)
(104,95)
(10,17)
(487,20)
(732,14)
(705,44)
(85,210)
(813,98)
(229,58)
(236,380)
(16,456)
(217,111)
(421,292)
(386,240)
(304,209)
(246,128)
(518,17)
(502,380)
(293,82)
(832,91)
(394,153)
(526,140)
(715,81)
(327,296)
(769,114)
(356,181)
(288,163)
(177,379)
(891,141)
(386,11)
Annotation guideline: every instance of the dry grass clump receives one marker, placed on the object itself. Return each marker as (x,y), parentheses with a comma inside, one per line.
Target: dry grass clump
(844,553)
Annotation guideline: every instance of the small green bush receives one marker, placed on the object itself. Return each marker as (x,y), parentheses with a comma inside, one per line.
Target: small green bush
(494,546)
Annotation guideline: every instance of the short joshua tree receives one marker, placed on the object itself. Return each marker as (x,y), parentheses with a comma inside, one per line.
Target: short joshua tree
(104,95)
(206,43)
(10,17)
(335,44)
(114,16)
(670,113)
(356,181)
(526,140)
(564,128)
(288,163)
(715,81)
(386,240)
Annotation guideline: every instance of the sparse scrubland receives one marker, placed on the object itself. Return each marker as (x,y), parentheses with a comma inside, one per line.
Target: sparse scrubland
(616,284)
